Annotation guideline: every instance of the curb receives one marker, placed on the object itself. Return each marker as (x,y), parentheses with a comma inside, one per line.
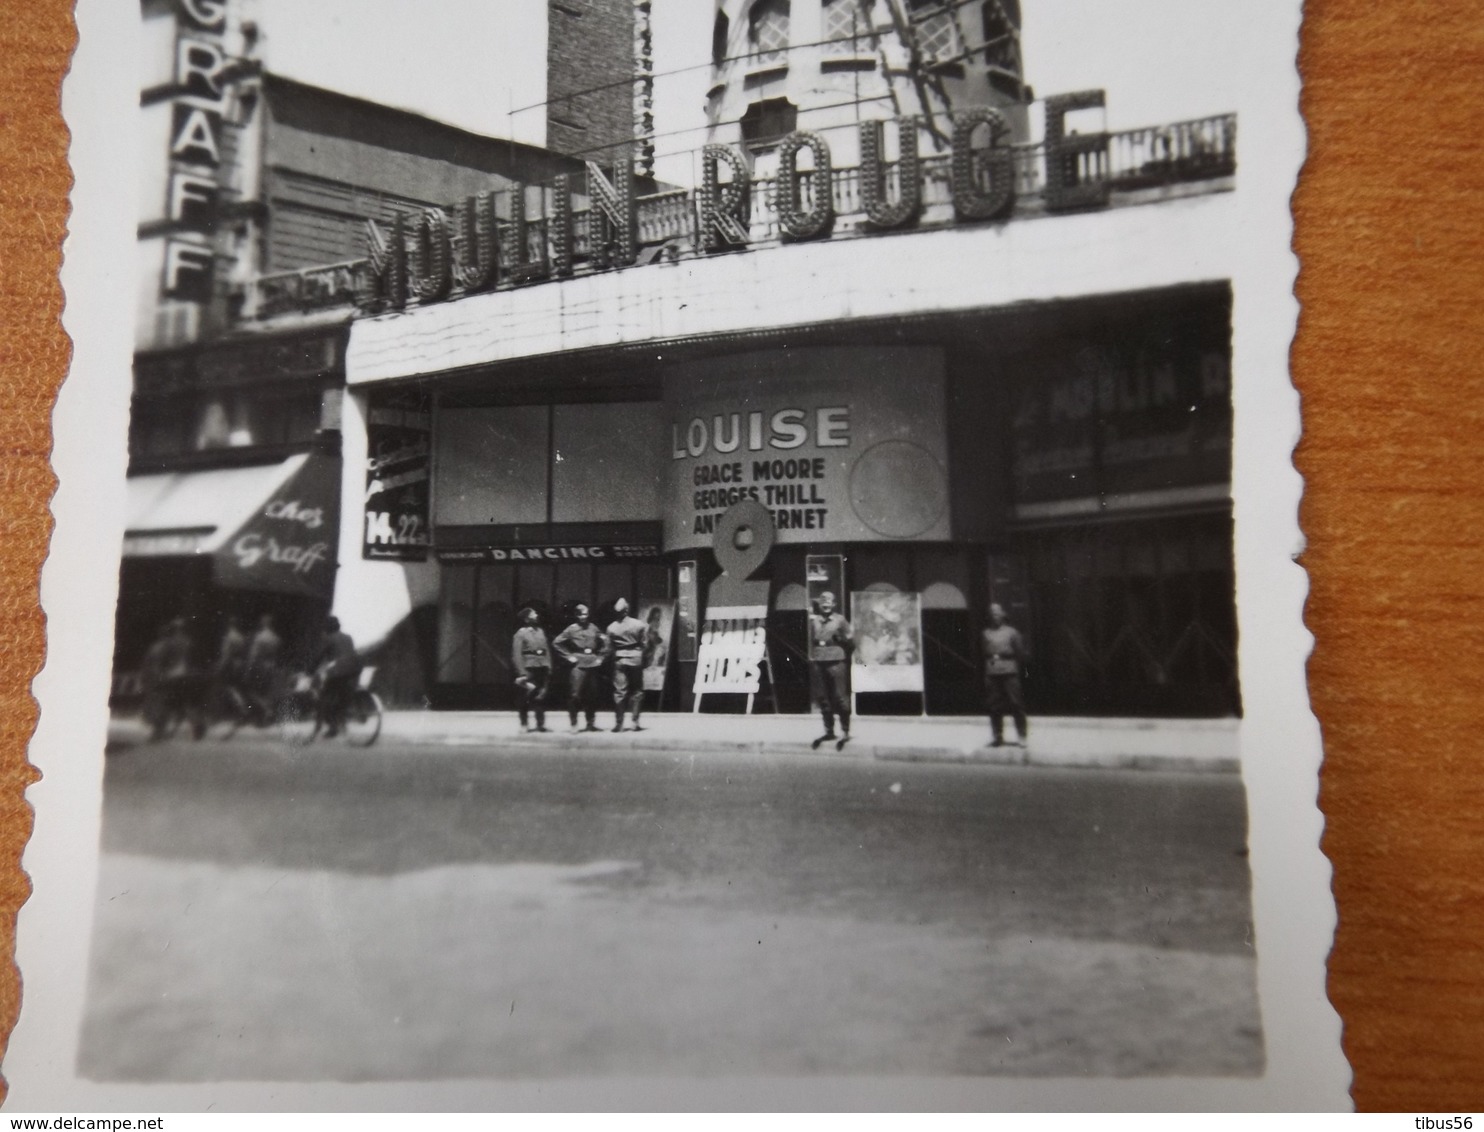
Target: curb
(986,756)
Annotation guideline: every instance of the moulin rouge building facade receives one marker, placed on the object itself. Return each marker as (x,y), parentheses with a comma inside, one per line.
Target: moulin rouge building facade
(959,344)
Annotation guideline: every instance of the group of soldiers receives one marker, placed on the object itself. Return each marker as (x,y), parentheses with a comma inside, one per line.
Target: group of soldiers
(624,647)
(247,670)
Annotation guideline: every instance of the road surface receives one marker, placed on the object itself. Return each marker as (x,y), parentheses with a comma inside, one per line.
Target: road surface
(423,914)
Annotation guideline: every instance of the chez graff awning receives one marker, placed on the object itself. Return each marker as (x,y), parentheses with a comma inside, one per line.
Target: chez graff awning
(288,544)
(272,527)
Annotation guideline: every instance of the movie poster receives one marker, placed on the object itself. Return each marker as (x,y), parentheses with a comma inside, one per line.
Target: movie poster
(888,641)
(659,621)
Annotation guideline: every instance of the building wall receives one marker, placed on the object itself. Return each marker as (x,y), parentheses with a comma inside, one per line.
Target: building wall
(590,43)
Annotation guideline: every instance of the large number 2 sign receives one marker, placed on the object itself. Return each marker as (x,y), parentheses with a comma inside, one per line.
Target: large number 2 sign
(744,535)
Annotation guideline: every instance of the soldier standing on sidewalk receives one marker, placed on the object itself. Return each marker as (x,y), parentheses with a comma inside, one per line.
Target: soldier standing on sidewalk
(626,639)
(830,640)
(583,646)
(1004,655)
(531,657)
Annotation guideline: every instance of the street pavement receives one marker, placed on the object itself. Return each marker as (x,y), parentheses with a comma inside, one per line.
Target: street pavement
(426,911)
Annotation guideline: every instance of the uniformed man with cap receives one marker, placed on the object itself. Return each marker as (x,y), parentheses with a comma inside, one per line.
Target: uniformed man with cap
(830,641)
(531,658)
(583,646)
(1004,655)
(626,639)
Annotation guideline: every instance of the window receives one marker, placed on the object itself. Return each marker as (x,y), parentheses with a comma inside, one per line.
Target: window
(847,25)
(768,122)
(767,31)
(533,464)
(162,428)
(721,31)
(1002,36)
(936,29)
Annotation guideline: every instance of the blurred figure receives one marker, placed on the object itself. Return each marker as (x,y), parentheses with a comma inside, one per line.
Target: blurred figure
(167,672)
(626,639)
(260,679)
(231,655)
(1004,656)
(531,656)
(337,666)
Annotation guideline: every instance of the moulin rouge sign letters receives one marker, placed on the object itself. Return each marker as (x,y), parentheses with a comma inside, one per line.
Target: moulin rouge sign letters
(430,254)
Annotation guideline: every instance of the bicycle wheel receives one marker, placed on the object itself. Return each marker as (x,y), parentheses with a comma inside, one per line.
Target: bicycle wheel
(363,718)
(297,717)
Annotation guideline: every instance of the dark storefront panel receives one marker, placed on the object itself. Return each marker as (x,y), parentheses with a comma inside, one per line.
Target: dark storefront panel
(1134,618)
(477,618)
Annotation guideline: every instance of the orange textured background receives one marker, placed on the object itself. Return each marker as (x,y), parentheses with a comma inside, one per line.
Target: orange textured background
(1390,362)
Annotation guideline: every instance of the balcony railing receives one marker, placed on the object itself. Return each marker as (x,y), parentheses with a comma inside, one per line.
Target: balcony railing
(667,222)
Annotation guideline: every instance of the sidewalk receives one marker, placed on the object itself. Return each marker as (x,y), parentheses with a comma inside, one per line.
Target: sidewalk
(1198,744)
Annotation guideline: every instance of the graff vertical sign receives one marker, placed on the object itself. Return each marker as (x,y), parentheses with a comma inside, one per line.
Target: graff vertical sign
(196,116)
(397,431)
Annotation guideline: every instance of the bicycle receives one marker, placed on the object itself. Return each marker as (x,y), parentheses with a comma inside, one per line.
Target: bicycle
(299,712)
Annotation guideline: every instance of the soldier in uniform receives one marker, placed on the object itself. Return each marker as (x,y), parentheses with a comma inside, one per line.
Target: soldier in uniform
(583,646)
(1004,654)
(626,640)
(531,657)
(830,641)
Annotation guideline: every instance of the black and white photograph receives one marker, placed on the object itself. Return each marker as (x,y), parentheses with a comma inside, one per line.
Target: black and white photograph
(678,554)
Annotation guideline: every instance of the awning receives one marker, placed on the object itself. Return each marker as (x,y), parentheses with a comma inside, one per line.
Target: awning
(273,528)
(187,513)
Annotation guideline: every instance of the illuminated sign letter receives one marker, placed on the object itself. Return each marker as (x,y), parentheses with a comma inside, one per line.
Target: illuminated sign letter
(1068,183)
(385,281)
(476,266)
(795,222)
(209,15)
(433,278)
(195,133)
(188,271)
(193,201)
(879,210)
(613,219)
(972,198)
(559,224)
(525,268)
(198,65)
(723,207)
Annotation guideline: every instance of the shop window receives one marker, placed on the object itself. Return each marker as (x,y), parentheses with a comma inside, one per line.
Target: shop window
(847,26)
(767,31)
(491,466)
(608,460)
